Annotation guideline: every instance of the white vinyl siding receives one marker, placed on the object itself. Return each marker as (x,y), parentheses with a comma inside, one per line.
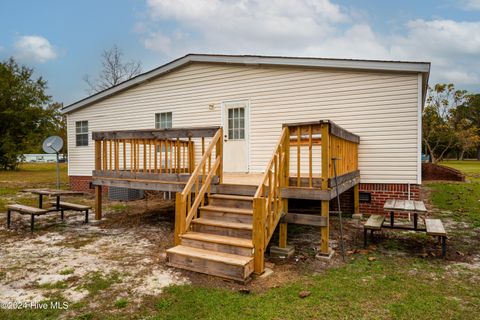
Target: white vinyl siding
(380,107)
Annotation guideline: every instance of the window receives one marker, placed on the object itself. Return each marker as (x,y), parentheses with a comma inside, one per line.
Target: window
(81,132)
(236,123)
(163,120)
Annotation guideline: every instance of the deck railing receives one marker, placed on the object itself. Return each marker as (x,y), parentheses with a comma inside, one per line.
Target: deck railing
(193,195)
(145,155)
(302,167)
(150,157)
(268,205)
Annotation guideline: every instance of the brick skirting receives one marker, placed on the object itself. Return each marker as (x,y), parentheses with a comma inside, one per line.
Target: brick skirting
(82,183)
(379,192)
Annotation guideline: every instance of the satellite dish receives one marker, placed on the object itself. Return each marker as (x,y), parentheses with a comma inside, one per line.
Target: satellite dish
(52,144)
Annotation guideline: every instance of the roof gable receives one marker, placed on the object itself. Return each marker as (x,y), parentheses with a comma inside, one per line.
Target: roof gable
(372,65)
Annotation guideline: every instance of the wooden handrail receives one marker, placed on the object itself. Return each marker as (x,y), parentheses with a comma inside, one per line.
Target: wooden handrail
(324,138)
(268,205)
(198,184)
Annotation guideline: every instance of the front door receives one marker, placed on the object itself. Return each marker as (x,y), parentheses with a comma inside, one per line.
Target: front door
(235,137)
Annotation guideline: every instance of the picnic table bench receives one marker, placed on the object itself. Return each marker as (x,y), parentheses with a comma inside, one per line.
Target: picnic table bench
(57,205)
(62,206)
(433,227)
(23,209)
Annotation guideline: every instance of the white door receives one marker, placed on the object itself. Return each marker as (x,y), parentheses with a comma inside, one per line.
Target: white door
(235,137)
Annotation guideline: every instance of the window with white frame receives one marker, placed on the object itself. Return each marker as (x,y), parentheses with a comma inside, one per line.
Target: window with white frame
(163,120)
(236,123)
(81,133)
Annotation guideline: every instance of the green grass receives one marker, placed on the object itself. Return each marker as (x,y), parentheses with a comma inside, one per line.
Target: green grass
(29,175)
(67,271)
(469,167)
(96,281)
(53,285)
(121,303)
(388,288)
(460,201)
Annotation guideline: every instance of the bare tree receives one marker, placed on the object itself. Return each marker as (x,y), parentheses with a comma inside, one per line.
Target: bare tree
(114,71)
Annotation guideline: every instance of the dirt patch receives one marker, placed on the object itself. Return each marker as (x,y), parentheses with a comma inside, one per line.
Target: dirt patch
(51,261)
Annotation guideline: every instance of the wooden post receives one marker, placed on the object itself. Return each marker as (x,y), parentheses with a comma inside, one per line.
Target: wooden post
(219,152)
(98,189)
(282,242)
(324,231)
(356,198)
(258,235)
(179,218)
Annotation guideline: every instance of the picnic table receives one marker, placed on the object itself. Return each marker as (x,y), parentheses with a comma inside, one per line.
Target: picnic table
(410,206)
(53,193)
(433,227)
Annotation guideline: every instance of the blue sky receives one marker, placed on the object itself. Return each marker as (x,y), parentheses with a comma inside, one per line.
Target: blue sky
(63,40)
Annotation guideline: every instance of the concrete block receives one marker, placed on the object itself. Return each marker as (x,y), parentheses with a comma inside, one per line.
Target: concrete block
(284,253)
(325,257)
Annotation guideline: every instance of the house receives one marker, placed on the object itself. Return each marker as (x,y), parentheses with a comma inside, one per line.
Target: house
(159,131)
(40,157)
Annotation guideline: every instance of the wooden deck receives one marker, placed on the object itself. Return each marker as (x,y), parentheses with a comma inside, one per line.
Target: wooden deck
(214,209)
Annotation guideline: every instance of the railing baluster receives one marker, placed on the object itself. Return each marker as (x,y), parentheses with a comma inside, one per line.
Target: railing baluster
(299,135)
(310,164)
(144,155)
(170,145)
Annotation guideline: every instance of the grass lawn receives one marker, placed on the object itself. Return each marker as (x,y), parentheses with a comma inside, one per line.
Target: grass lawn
(385,283)
(460,201)
(29,175)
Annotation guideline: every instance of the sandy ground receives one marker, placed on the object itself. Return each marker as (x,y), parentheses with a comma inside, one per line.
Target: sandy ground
(60,257)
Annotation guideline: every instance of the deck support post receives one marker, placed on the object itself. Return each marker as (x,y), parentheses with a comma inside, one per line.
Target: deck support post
(98,202)
(325,231)
(356,202)
(258,235)
(326,164)
(98,189)
(282,242)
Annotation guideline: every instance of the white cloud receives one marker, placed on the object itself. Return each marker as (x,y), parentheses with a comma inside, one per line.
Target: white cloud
(310,28)
(34,48)
(472,4)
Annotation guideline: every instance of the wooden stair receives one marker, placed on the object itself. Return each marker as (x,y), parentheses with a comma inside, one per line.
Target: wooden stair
(220,240)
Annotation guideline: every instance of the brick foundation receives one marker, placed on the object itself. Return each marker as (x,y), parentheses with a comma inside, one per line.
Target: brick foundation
(82,183)
(380,192)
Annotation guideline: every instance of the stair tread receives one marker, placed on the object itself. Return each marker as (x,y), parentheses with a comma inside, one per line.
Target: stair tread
(230,197)
(222,223)
(227,209)
(240,242)
(227,258)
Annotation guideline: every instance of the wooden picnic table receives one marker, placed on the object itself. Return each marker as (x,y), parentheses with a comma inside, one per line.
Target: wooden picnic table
(411,206)
(53,193)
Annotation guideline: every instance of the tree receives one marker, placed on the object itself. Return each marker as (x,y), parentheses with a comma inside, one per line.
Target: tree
(114,71)
(472,112)
(24,116)
(438,125)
